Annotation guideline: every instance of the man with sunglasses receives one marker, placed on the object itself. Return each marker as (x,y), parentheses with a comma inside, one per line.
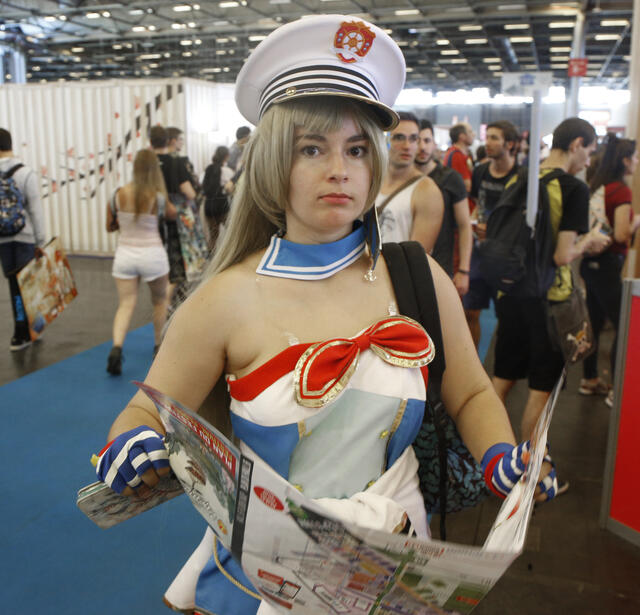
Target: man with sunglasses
(409,204)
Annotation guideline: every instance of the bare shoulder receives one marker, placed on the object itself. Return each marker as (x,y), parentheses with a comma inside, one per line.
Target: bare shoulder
(427,196)
(428,190)
(228,295)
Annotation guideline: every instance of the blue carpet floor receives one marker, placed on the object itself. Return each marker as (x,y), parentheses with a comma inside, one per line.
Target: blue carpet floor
(54,560)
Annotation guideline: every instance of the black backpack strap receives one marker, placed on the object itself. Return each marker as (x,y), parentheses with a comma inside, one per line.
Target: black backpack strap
(12,170)
(416,296)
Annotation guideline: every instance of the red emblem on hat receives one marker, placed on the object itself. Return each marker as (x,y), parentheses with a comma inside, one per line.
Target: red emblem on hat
(353,41)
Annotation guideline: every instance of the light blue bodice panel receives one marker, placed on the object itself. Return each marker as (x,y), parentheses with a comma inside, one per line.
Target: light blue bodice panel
(342,448)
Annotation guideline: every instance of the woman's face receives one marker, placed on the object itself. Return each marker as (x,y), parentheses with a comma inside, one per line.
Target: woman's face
(630,164)
(329,183)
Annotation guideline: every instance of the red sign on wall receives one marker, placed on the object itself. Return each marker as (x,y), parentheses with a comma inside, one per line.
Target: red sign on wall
(578,67)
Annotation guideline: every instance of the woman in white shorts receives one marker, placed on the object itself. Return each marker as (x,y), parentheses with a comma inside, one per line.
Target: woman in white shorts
(134,211)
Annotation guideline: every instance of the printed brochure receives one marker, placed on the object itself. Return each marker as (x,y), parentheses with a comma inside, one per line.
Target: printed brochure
(302,559)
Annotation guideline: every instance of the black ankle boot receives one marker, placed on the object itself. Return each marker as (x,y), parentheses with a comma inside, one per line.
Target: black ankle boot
(114,361)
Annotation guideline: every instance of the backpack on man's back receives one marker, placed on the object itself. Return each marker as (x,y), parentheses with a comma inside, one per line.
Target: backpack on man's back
(12,211)
(515,258)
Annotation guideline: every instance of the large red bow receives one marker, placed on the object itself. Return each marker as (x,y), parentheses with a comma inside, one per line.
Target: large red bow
(324,369)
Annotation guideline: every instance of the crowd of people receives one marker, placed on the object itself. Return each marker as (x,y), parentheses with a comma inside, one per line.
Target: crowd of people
(300,261)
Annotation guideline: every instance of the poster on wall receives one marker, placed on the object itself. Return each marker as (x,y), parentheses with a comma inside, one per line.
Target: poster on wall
(47,287)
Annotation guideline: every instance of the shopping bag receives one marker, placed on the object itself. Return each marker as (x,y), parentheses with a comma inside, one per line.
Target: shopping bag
(569,326)
(47,287)
(193,243)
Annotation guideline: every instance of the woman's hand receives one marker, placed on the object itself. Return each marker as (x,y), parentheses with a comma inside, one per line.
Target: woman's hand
(134,461)
(548,481)
(504,464)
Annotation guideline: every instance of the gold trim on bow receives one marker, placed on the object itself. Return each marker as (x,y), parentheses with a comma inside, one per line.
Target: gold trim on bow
(334,386)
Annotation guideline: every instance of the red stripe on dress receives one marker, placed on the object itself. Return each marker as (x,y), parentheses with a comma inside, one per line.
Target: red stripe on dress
(425,376)
(252,384)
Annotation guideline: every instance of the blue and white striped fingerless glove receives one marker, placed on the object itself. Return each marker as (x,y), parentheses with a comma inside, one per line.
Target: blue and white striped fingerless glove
(502,466)
(124,460)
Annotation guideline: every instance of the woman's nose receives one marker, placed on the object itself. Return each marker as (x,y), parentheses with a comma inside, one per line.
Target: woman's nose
(337,167)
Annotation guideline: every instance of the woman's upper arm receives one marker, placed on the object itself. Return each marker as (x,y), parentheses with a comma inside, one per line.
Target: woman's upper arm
(622,223)
(190,361)
(464,375)
(192,355)
(467,391)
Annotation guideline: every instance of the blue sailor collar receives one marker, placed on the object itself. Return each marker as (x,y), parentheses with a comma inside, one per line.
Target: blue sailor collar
(286,259)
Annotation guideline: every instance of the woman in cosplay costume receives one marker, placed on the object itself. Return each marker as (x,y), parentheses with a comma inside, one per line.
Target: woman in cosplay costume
(327,381)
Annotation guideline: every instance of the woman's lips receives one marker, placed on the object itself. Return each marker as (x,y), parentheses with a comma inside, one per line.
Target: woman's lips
(336,198)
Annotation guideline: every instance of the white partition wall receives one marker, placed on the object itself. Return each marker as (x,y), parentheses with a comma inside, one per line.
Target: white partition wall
(82,137)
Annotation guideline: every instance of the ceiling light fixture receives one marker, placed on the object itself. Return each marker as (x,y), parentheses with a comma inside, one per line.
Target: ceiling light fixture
(516,26)
(442,41)
(561,24)
(92,15)
(612,23)
(556,38)
(181,8)
(607,37)
(407,12)
(450,52)
(228,5)
(521,39)
(476,41)
(559,49)
(491,60)
(138,29)
(469,27)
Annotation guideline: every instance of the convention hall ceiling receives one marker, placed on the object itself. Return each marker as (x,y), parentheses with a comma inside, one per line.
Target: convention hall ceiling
(448,44)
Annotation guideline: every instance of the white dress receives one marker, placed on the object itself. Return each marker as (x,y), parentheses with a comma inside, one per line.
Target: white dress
(336,419)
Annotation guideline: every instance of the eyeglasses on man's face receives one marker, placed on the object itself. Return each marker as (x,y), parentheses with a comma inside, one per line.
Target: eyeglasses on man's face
(398,137)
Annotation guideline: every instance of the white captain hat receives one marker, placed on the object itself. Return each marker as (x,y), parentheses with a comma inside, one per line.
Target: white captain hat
(330,55)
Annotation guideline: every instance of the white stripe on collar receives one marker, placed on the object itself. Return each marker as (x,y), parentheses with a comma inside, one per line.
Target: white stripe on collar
(286,259)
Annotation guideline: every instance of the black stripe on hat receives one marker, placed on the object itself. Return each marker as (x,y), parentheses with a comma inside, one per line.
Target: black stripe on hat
(317,87)
(310,78)
(313,83)
(326,70)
